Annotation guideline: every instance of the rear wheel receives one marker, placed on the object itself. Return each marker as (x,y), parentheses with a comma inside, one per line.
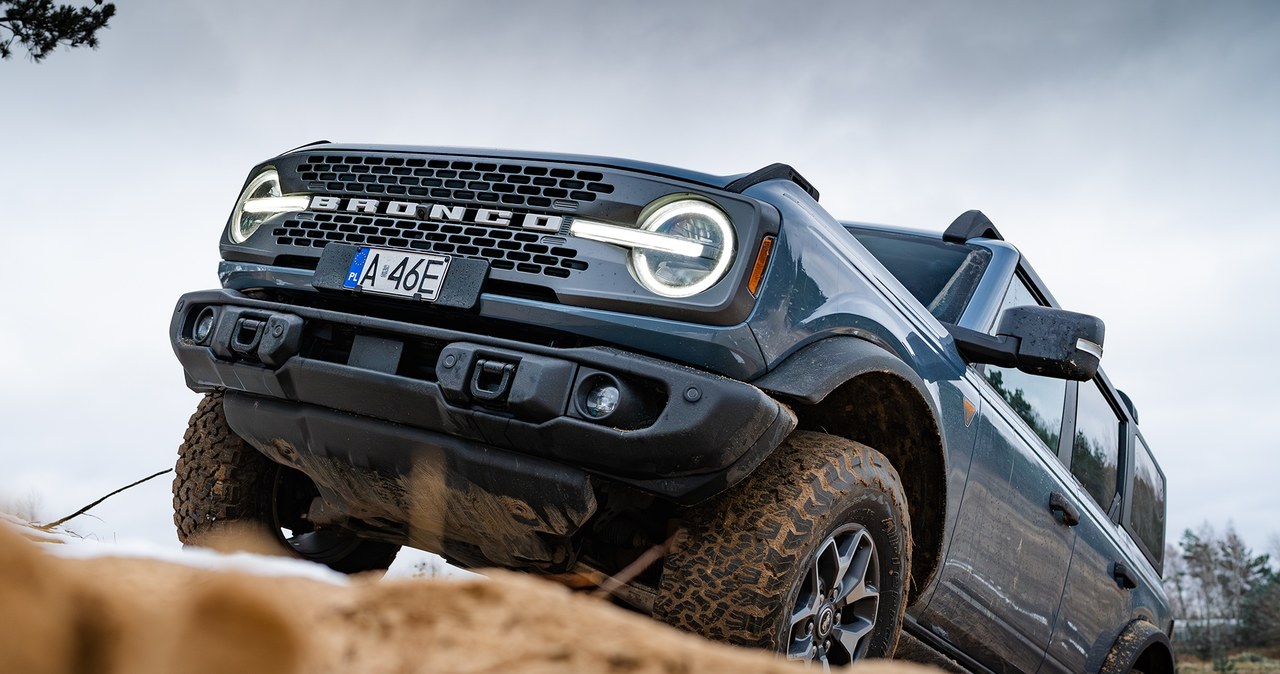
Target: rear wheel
(807,557)
(222,483)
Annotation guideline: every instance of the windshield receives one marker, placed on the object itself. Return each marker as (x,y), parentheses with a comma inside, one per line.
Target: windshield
(940,274)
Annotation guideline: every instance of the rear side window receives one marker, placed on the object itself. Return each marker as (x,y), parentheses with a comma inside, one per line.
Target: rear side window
(1146,515)
(1095,451)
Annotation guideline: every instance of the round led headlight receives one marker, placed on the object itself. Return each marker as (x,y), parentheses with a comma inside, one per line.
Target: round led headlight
(260,200)
(684,269)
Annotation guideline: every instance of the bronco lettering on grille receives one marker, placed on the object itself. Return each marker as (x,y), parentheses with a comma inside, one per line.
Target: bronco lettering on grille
(493,217)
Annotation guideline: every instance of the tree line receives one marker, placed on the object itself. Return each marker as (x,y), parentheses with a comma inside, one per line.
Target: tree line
(1224,596)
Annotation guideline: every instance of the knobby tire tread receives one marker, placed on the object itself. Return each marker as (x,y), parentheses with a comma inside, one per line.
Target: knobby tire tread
(219,478)
(726,576)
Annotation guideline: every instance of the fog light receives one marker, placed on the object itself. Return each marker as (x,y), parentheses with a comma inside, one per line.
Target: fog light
(602,400)
(204,325)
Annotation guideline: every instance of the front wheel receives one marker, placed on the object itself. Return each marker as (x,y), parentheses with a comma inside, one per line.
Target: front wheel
(808,557)
(221,480)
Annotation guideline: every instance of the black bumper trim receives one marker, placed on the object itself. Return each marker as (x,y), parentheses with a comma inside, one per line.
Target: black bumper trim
(686,454)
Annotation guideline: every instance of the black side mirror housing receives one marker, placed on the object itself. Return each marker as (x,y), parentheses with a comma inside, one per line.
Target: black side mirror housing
(1038,340)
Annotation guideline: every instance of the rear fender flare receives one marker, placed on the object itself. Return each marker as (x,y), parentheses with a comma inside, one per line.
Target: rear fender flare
(1142,645)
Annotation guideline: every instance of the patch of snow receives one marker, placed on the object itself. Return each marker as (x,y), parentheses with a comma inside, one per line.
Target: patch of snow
(71,547)
(410,563)
(414,563)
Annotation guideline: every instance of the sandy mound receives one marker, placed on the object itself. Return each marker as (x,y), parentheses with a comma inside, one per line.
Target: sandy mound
(116,615)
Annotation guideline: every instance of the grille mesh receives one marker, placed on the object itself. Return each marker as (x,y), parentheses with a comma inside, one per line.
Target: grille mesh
(503,247)
(455,180)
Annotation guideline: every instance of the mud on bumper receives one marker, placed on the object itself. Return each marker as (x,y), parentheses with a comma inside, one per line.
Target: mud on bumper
(477,446)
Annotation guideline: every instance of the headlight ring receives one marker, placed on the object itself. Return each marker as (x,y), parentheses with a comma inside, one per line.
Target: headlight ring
(674,274)
(261,199)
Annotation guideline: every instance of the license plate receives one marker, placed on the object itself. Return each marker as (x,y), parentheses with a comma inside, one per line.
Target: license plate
(398,272)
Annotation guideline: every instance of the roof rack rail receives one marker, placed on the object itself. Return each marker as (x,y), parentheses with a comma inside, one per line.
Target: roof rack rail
(971,225)
(773,172)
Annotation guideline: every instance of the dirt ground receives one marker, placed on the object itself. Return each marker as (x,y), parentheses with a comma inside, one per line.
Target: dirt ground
(141,616)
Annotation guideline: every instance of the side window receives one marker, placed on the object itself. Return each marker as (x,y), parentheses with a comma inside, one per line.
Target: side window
(1146,514)
(1095,451)
(1038,400)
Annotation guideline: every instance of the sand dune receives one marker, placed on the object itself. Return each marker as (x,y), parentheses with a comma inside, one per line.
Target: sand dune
(145,616)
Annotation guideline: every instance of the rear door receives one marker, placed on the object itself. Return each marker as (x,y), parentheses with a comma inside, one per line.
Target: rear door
(1112,581)
(1095,603)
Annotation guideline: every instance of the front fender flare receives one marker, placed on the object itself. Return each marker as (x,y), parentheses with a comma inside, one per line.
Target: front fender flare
(858,390)
(810,374)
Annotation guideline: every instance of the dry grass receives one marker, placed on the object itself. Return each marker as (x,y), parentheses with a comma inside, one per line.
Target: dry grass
(1245,663)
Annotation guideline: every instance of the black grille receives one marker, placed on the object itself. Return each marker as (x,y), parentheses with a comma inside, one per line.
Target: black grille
(503,247)
(454,180)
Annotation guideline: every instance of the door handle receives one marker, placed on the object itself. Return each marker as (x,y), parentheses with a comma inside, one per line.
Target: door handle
(1124,577)
(1059,505)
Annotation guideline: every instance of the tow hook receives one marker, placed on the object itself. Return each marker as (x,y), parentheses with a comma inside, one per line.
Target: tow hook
(491,380)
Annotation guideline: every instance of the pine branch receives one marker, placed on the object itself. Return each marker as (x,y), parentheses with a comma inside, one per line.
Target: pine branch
(41,26)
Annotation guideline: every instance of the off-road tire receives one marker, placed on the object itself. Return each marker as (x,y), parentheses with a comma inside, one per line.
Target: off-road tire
(734,569)
(222,482)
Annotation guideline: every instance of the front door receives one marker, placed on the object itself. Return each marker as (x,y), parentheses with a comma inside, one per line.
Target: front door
(1000,586)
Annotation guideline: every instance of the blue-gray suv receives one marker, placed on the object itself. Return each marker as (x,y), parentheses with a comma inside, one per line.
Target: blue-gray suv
(702,393)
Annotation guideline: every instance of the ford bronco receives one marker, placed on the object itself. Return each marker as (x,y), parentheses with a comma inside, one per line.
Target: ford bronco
(740,415)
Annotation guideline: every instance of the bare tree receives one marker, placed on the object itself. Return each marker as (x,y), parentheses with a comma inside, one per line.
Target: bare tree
(1176,583)
(1224,594)
(25,508)
(1238,572)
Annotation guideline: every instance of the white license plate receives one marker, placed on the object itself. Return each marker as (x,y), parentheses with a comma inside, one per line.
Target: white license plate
(398,272)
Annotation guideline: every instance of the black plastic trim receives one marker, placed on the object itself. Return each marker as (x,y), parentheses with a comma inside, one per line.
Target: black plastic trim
(915,629)
(971,225)
(772,172)
(431,482)
(685,454)
(1134,641)
(812,373)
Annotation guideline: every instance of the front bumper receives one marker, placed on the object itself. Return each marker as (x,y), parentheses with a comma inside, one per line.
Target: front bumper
(670,436)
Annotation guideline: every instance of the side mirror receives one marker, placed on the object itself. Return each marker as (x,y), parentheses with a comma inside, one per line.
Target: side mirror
(1038,340)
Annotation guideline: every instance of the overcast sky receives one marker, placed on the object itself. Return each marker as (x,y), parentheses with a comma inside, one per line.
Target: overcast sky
(1131,150)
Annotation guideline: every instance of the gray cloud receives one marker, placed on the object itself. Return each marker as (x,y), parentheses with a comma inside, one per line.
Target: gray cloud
(1130,149)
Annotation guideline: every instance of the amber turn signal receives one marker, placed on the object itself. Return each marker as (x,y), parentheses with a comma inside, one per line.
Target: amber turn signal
(762,261)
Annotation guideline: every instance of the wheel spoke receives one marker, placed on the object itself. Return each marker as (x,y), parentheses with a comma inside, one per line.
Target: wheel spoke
(827,565)
(848,636)
(805,609)
(860,570)
(836,604)
(846,559)
(801,648)
(815,597)
(857,591)
(801,613)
